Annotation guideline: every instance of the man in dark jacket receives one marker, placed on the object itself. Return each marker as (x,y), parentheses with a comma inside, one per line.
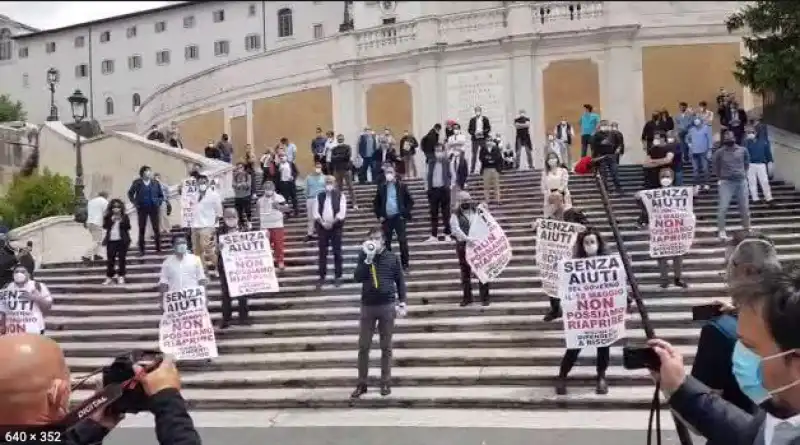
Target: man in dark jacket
(147,196)
(35,397)
(381,276)
(439,180)
(392,206)
(429,142)
(604,147)
(479,130)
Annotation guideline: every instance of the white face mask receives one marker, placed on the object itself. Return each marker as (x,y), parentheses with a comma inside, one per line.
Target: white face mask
(329,188)
(202,187)
(666,182)
(20,277)
(552,162)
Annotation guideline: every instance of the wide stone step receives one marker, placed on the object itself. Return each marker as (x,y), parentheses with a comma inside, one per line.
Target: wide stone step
(445,358)
(488,397)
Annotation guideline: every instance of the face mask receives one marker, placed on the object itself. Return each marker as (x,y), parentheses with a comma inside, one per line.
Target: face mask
(656,142)
(329,188)
(590,248)
(697,122)
(751,136)
(180,249)
(20,277)
(747,368)
(552,162)
(318,170)
(666,182)
(231,222)
(202,187)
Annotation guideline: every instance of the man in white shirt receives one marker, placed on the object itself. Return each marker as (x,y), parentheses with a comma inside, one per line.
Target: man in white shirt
(94,224)
(23,303)
(271,208)
(181,270)
(205,218)
(329,215)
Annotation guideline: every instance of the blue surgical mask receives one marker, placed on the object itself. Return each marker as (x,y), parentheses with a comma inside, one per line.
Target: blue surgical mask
(180,248)
(747,368)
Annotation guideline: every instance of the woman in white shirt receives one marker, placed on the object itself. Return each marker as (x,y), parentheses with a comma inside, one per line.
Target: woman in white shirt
(555,176)
(117,240)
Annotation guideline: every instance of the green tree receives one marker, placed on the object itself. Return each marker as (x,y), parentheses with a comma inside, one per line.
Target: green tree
(30,198)
(773,29)
(10,110)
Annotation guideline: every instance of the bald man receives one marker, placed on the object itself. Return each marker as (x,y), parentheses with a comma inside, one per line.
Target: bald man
(35,387)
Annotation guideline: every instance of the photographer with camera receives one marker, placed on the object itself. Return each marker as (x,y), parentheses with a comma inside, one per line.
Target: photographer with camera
(766,365)
(380,273)
(35,384)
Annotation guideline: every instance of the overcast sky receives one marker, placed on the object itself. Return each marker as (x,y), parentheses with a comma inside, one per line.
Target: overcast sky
(49,15)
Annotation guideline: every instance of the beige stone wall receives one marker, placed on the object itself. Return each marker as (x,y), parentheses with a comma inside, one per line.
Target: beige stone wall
(197,130)
(389,105)
(568,84)
(295,116)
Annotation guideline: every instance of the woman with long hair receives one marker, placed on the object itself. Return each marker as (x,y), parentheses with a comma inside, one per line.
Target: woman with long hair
(117,240)
(555,177)
(589,244)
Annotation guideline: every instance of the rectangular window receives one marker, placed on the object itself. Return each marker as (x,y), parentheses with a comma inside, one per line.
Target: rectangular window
(131,32)
(251,11)
(134,62)
(105,36)
(222,48)
(252,42)
(107,66)
(161,26)
(50,47)
(162,57)
(318,31)
(81,70)
(191,52)
(188,21)
(23,52)
(219,16)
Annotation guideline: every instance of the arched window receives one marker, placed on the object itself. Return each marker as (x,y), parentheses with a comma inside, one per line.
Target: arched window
(285,27)
(6,44)
(109,106)
(137,101)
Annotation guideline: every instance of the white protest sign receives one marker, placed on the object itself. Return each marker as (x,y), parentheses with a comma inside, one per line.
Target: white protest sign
(189,197)
(554,242)
(594,297)
(185,331)
(21,315)
(672,220)
(491,252)
(249,267)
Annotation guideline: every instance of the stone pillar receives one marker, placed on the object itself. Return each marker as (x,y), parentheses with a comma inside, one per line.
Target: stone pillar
(622,96)
(523,91)
(249,108)
(347,107)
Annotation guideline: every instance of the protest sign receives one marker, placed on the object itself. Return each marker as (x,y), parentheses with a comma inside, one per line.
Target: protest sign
(672,221)
(185,331)
(249,267)
(554,242)
(189,197)
(21,314)
(594,297)
(491,252)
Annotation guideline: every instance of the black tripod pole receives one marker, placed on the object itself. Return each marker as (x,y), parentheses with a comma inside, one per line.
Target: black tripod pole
(649,332)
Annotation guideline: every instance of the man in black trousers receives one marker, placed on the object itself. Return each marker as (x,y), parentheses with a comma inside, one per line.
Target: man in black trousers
(329,215)
(392,206)
(438,183)
(147,196)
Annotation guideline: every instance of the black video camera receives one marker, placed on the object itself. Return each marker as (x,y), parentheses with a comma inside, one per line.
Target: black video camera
(121,372)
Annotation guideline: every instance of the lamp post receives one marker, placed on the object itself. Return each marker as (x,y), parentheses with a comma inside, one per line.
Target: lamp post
(52,80)
(78,104)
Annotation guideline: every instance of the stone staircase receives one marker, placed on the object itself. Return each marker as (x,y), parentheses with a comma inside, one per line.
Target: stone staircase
(301,349)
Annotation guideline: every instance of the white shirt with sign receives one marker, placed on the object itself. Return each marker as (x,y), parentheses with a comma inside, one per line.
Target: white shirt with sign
(96,209)
(14,305)
(182,273)
(269,215)
(207,211)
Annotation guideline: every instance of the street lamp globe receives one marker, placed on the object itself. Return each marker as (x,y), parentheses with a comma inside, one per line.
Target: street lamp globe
(52,76)
(78,103)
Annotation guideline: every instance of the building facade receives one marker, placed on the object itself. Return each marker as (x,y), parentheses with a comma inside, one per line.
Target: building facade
(408,65)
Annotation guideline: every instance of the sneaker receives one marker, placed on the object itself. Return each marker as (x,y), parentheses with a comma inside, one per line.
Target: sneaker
(120,280)
(107,282)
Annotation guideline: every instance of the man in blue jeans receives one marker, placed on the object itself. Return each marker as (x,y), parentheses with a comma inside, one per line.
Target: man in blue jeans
(700,140)
(730,165)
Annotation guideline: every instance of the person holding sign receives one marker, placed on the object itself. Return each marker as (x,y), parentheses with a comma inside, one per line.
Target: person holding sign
(460,222)
(589,244)
(329,214)
(555,177)
(24,303)
(117,240)
(380,273)
(230,225)
(271,208)
(182,269)
(207,213)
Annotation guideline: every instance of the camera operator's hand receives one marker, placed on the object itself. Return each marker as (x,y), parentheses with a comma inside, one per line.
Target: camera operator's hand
(672,372)
(164,377)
